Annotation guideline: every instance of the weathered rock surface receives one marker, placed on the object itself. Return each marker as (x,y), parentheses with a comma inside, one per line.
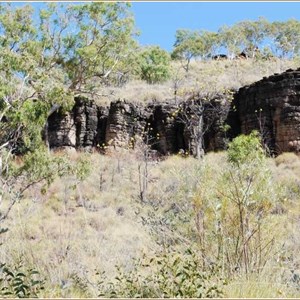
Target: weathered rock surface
(61,130)
(167,136)
(86,123)
(125,121)
(271,106)
(83,127)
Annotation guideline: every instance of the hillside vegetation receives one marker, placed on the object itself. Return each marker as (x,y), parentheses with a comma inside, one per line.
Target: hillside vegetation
(72,235)
(124,224)
(204,77)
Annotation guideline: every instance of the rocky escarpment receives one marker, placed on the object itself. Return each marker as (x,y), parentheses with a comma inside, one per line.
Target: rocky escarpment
(126,121)
(271,106)
(166,128)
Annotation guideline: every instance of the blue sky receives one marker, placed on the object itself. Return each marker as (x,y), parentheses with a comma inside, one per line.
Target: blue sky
(158,21)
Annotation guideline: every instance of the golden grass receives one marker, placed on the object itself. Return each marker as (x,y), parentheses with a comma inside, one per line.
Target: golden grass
(77,231)
(99,224)
(208,76)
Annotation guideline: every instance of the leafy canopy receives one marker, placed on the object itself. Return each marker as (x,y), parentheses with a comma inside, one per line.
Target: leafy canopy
(45,62)
(154,64)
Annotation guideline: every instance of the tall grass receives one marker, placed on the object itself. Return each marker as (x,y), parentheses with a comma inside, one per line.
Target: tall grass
(73,233)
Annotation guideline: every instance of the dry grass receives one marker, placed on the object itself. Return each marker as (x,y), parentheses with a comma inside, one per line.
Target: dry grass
(69,234)
(78,231)
(210,76)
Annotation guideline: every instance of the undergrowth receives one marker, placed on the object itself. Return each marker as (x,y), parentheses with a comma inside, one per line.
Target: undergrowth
(224,208)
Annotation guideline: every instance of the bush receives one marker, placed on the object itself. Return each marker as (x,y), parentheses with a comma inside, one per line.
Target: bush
(245,148)
(19,282)
(247,195)
(154,65)
(232,206)
(168,275)
(287,158)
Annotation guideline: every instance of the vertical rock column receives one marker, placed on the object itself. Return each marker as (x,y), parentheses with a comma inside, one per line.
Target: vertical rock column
(125,121)
(220,122)
(167,129)
(86,122)
(61,130)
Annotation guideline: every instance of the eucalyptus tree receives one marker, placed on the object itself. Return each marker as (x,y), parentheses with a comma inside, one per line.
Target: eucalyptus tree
(187,46)
(46,61)
(286,37)
(254,34)
(232,39)
(192,44)
(154,64)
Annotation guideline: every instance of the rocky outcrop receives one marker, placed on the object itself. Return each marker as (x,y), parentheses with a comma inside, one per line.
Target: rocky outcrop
(82,127)
(271,106)
(166,128)
(166,132)
(86,117)
(61,130)
(126,121)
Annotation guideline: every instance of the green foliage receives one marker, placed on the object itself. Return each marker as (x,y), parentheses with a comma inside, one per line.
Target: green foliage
(168,275)
(287,37)
(246,193)
(187,46)
(274,39)
(192,44)
(82,168)
(19,282)
(154,64)
(45,62)
(40,164)
(102,40)
(245,149)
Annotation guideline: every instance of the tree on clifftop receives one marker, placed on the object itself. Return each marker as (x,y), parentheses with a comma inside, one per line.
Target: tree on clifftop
(192,44)
(286,37)
(154,64)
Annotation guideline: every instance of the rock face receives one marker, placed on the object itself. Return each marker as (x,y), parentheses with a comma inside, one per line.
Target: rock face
(271,106)
(167,136)
(166,128)
(61,130)
(85,114)
(83,127)
(125,121)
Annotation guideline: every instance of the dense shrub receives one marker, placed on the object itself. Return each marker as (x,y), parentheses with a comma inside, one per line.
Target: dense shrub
(169,275)
(154,65)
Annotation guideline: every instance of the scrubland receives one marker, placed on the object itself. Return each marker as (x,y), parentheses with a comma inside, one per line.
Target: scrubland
(226,225)
(78,225)
(73,233)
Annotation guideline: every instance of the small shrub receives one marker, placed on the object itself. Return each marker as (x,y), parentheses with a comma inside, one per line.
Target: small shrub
(248,194)
(245,148)
(288,158)
(19,282)
(166,276)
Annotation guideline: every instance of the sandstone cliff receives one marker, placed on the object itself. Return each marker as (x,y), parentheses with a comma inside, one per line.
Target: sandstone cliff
(271,105)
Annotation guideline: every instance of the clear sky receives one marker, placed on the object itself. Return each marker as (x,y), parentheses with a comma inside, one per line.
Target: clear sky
(158,21)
